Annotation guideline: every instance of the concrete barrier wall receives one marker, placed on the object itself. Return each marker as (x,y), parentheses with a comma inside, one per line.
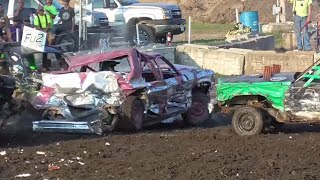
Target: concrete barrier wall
(291,61)
(236,61)
(276,27)
(221,61)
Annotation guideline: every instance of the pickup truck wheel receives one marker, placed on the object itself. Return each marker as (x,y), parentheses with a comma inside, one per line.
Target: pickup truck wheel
(198,113)
(146,36)
(67,38)
(247,121)
(132,114)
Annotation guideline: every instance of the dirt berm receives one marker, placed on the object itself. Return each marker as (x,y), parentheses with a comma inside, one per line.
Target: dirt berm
(223,11)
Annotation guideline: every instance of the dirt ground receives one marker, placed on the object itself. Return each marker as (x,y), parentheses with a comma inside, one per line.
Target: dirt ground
(219,11)
(164,152)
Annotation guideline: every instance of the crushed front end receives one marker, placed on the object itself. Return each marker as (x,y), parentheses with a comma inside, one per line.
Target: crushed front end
(79,102)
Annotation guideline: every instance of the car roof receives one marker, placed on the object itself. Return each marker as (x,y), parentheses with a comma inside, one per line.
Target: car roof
(80,60)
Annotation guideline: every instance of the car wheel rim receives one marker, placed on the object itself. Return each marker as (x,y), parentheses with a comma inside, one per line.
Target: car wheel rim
(143,36)
(197,109)
(137,115)
(246,122)
(68,40)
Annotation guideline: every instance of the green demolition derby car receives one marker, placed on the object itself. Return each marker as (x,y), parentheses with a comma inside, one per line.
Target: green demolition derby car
(256,103)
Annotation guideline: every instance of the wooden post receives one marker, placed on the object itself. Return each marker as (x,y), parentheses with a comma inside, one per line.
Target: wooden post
(283,11)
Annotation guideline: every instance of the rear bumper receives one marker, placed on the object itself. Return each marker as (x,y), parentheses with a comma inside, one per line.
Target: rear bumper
(175,26)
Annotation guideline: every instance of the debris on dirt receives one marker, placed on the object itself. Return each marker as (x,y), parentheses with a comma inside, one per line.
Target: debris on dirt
(2,153)
(271,162)
(69,161)
(40,153)
(23,175)
(107,144)
(52,167)
(81,163)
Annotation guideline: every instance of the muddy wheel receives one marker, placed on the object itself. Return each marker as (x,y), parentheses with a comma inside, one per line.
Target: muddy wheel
(247,121)
(132,114)
(198,113)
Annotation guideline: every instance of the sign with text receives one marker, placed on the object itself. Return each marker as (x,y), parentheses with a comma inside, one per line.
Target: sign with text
(34,39)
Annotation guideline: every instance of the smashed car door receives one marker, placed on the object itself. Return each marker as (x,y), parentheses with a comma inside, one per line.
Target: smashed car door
(179,87)
(177,95)
(157,89)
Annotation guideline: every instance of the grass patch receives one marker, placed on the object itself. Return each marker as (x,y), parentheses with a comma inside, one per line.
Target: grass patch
(199,27)
(201,32)
(210,42)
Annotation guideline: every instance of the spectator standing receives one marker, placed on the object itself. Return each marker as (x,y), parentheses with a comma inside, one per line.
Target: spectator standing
(66,16)
(16,26)
(42,21)
(5,34)
(302,17)
(51,10)
(21,12)
(3,14)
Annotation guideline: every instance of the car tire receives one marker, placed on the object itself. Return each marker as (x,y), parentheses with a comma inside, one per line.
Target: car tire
(146,31)
(247,121)
(198,113)
(132,116)
(63,38)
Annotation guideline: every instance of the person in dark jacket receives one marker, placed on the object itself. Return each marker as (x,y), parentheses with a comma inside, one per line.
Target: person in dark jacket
(15,28)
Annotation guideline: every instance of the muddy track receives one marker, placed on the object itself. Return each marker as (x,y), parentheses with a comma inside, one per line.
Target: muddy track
(165,152)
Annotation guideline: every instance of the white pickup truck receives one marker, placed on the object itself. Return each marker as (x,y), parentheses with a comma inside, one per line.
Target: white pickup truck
(155,20)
